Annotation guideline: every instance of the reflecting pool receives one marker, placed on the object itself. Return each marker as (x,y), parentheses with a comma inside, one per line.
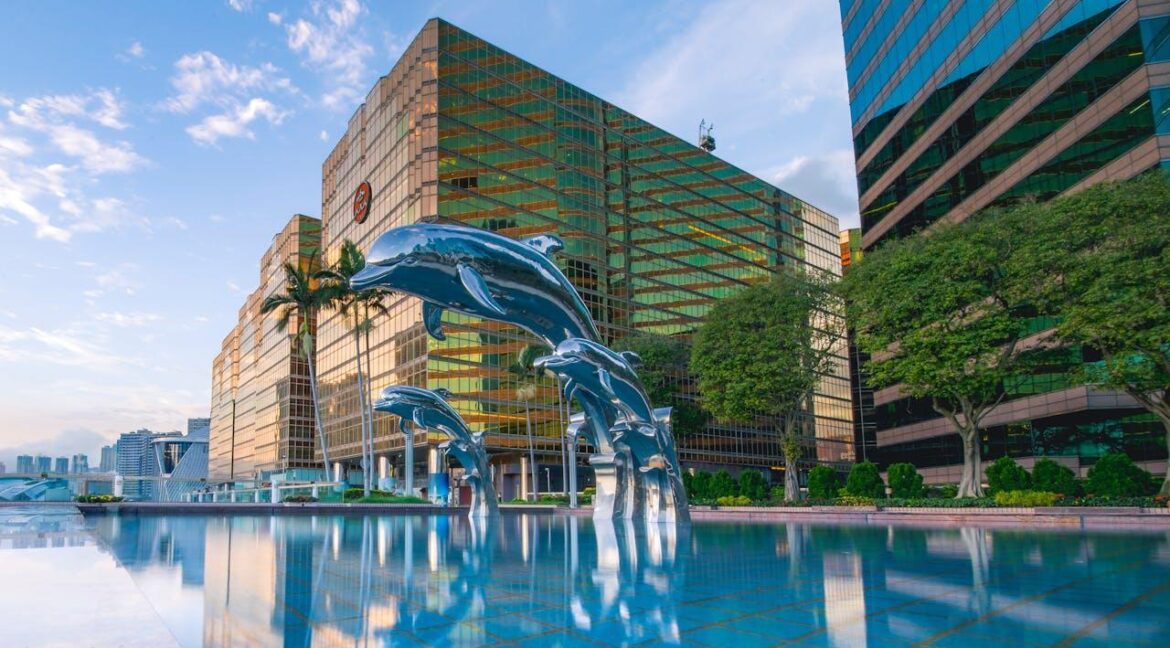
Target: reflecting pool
(554,580)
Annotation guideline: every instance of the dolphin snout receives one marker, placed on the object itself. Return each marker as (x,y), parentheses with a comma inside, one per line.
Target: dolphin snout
(368,276)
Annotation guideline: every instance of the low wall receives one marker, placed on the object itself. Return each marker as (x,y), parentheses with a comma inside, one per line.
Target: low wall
(1120,517)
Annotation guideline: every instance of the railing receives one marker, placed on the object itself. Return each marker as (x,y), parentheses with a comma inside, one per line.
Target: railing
(278,492)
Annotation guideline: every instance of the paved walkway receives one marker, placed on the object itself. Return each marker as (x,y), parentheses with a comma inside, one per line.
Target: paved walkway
(61,587)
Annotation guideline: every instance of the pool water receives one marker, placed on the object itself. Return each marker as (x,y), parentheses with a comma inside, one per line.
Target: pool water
(541,580)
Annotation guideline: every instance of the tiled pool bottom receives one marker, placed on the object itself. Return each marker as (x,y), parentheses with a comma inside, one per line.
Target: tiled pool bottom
(548,580)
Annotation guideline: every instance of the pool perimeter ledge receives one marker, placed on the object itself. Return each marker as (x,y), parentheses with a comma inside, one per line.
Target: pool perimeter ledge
(1058,516)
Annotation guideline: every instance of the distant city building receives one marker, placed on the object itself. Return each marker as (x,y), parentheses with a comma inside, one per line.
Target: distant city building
(261,408)
(200,427)
(44,464)
(3,468)
(181,462)
(80,464)
(136,460)
(61,466)
(109,459)
(24,464)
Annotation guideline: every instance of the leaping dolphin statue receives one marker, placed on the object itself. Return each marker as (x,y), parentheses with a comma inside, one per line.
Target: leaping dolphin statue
(587,365)
(479,273)
(430,409)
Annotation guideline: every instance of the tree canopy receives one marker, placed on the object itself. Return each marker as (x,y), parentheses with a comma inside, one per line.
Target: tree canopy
(663,372)
(762,352)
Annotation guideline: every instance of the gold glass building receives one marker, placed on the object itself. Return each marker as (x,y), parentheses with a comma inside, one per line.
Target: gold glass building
(261,408)
(655,230)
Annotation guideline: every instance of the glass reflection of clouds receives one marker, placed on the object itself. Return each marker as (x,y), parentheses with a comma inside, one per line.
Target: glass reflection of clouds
(547,579)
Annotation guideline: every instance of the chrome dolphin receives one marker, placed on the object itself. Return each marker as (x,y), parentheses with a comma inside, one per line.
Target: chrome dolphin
(479,273)
(430,409)
(587,365)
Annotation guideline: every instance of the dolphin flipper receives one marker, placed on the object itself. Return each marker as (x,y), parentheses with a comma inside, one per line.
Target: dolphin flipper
(634,360)
(433,320)
(477,287)
(546,244)
(417,418)
(607,382)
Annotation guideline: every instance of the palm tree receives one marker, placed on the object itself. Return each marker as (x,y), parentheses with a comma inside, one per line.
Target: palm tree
(526,391)
(304,296)
(356,306)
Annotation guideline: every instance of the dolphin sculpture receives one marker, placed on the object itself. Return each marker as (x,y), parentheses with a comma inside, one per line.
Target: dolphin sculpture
(479,273)
(430,409)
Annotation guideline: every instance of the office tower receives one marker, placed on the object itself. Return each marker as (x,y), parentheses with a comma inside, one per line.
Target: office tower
(25,465)
(79,464)
(655,230)
(261,407)
(961,106)
(44,464)
(109,459)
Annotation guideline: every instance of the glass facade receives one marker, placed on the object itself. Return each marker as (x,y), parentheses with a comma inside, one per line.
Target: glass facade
(655,229)
(261,406)
(979,103)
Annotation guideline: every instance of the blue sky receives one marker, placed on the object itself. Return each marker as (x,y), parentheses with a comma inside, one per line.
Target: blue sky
(150,150)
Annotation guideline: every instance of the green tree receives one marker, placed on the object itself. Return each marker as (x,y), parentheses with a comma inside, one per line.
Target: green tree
(1051,477)
(752,485)
(823,483)
(763,351)
(1116,475)
(1007,475)
(303,299)
(663,373)
(723,485)
(936,315)
(865,481)
(1098,259)
(356,306)
(699,486)
(905,481)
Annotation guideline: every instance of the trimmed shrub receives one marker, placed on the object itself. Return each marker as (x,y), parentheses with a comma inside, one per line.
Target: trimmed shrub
(1049,476)
(776,494)
(854,500)
(944,491)
(98,499)
(723,485)
(1007,475)
(1026,498)
(733,500)
(865,481)
(1116,475)
(299,499)
(905,481)
(752,485)
(699,485)
(823,483)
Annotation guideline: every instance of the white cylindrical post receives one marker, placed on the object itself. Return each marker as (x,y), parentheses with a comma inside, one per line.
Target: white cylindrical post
(525,487)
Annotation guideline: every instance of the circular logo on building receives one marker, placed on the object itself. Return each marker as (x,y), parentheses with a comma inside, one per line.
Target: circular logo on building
(361,202)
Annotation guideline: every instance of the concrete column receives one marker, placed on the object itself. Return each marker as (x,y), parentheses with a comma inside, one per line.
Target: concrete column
(524,476)
(336,471)
(233,496)
(383,472)
(315,490)
(275,493)
(409,460)
(119,482)
(572,468)
(438,484)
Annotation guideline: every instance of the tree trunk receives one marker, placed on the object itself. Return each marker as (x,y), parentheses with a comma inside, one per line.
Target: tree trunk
(531,451)
(370,397)
(1164,416)
(971,483)
(357,343)
(317,414)
(791,448)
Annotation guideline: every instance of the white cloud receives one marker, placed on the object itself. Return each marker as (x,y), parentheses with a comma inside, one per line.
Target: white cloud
(66,346)
(827,181)
(136,50)
(324,136)
(128,319)
(58,116)
(203,77)
(95,155)
(233,286)
(235,122)
(240,5)
(118,279)
(275,18)
(331,42)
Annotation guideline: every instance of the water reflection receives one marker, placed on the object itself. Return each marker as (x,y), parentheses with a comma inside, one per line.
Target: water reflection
(400,580)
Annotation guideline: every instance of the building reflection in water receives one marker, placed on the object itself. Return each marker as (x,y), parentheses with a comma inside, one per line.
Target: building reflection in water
(338,580)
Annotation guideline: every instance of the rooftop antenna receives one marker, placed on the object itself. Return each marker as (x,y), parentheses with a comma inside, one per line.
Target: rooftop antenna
(706,140)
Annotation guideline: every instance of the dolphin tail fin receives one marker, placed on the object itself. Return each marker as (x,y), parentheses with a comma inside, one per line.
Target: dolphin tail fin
(477,287)
(546,244)
(433,320)
(632,358)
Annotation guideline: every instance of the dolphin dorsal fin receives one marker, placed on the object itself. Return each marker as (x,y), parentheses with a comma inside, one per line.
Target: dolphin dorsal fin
(632,358)
(478,288)
(433,320)
(444,393)
(546,244)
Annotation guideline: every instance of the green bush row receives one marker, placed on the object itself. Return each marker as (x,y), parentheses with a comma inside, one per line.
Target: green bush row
(98,499)
(1114,475)
(706,487)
